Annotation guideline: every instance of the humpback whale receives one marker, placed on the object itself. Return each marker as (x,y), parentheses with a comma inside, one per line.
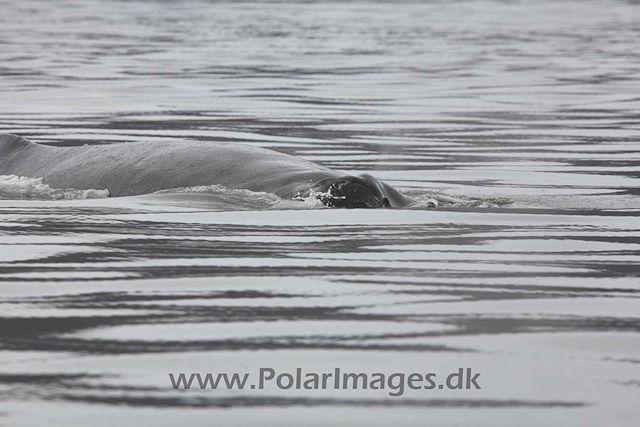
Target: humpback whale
(129,169)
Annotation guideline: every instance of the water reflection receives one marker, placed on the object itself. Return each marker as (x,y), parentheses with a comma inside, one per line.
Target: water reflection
(519,117)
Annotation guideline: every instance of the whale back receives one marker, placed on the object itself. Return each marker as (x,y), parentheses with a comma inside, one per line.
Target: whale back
(128,169)
(11,149)
(9,143)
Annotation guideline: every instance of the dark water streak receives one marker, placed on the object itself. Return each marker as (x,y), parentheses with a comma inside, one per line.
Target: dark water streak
(520,117)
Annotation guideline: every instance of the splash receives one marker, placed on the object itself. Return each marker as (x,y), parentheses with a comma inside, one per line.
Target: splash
(13,187)
(317,197)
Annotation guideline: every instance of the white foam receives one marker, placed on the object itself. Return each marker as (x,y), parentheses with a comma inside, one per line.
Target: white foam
(13,187)
(246,199)
(434,199)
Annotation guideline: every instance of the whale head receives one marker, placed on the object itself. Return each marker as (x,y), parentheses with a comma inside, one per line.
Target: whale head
(362,191)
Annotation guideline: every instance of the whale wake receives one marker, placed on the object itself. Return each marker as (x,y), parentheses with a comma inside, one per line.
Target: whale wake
(13,187)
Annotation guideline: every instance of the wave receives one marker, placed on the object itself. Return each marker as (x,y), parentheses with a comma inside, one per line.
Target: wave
(13,187)
(226,199)
(218,197)
(223,198)
(432,199)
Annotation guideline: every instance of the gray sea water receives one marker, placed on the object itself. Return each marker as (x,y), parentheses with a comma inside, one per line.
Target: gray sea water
(521,117)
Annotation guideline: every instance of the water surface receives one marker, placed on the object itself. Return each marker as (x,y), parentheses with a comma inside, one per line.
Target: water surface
(521,118)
